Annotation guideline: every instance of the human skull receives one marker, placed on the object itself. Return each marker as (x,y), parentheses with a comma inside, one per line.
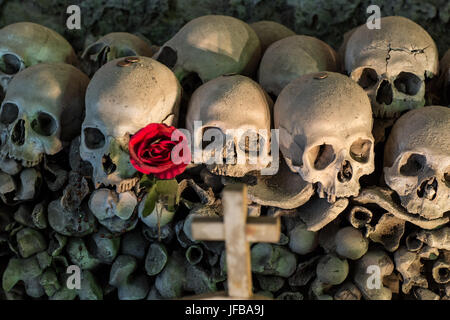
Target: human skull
(269,32)
(392,64)
(293,57)
(25,44)
(211,46)
(325,124)
(417,161)
(115,45)
(42,109)
(124,96)
(235,107)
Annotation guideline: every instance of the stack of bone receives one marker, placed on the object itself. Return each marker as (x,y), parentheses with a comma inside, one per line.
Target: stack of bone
(363,186)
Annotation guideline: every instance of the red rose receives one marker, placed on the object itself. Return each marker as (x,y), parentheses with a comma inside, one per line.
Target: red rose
(151,151)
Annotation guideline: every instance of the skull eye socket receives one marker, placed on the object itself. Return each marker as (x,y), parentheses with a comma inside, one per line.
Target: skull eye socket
(414,164)
(44,124)
(408,83)
(10,64)
(447,177)
(210,135)
(368,78)
(94,49)
(168,57)
(360,150)
(94,138)
(127,52)
(9,113)
(321,156)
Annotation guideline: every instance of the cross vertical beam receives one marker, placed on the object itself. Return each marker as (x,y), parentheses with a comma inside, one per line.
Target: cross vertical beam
(238,231)
(236,245)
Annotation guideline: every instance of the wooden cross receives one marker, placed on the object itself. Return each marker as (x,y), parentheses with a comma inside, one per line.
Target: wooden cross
(238,231)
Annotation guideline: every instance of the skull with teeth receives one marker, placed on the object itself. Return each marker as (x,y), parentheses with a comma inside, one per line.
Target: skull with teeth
(236,109)
(115,45)
(211,46)
(417,161)
(392,64)
(325,122)
(124,96)
(25,44)
(42,110)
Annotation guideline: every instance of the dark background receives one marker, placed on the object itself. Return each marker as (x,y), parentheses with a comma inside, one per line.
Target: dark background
(158,20)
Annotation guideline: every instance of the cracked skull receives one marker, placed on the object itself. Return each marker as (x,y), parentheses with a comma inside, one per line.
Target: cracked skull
(392,64)
(233,109)
(115,45)
(43,108)
(325,122)
(124,96)
(25,44)
(417,161)
(211,46)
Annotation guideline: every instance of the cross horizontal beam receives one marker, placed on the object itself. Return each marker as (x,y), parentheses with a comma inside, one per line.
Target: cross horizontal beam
(257,229)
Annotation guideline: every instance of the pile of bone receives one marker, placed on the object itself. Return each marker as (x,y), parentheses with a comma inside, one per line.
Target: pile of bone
(363,185)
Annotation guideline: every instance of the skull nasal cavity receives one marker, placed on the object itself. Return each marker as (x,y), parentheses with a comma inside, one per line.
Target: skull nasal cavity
(408,83)
(384,93)
(321,156)
(168,57)
(346,172)
(9,64)
(9,113)
(94,138)
(18,134)
(428,189)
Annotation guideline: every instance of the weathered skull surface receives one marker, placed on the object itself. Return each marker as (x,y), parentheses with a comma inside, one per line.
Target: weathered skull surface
(25,44)
(43,107)
(122,98)
(115,45)
(293,57)
(417,161)
(238,104)
(325,122)
(391,64)
(211,46)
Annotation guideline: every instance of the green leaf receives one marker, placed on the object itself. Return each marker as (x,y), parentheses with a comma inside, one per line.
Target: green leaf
(150,201)
(168,190)
(147,181)
(161,190)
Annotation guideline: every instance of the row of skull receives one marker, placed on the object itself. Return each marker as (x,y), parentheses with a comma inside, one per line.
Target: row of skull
(391,63)
(325,119)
